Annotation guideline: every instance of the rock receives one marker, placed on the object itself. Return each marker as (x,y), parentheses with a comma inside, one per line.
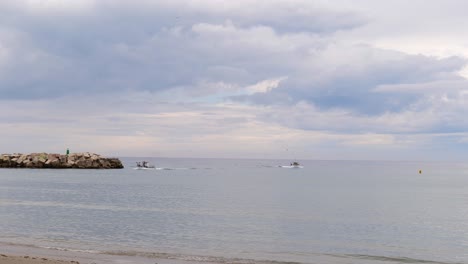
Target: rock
(22,158)
(52,161)
(104,163)
(115,163)
(5,160)
(44,160)
(43,157)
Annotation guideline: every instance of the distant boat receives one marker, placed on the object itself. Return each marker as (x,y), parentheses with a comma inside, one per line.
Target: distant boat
(143,165)
(293,165)
(144,168)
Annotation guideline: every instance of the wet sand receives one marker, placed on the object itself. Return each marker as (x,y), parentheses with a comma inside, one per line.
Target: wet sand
(26,254)
(97,259)
(8,259)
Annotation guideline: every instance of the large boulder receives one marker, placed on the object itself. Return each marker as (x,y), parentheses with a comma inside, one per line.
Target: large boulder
(115,163)
(44,160)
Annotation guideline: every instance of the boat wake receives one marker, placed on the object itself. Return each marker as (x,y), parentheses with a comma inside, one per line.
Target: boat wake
(291,166)
(144,168)
(165,168)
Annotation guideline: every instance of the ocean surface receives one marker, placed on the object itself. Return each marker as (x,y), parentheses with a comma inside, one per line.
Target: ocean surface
(244,211)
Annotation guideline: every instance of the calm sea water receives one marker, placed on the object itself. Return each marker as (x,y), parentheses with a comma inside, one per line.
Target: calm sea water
(244,211)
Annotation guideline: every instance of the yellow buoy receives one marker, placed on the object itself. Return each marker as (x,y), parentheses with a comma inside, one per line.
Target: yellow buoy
(420,171)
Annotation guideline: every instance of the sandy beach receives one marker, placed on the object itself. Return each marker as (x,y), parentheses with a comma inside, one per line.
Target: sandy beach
(26,254)
(44,256)
(8,259)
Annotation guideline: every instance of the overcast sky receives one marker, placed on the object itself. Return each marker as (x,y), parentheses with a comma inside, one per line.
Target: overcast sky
(335,79)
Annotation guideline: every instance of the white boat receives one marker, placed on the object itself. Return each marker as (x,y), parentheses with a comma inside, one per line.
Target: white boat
(293,165)
(143,166)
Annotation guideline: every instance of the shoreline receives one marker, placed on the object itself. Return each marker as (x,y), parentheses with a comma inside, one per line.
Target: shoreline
(30,254)
(10,259)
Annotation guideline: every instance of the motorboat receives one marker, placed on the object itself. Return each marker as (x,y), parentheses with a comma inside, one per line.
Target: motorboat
(292,165)
(295,164)
(144,168)
(143,165)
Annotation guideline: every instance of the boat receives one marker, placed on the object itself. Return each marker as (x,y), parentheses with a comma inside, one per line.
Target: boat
(293,165)
(143,165)
(144,168)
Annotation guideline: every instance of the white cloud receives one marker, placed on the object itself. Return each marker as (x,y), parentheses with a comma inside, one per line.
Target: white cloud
(57,8)
(265,85)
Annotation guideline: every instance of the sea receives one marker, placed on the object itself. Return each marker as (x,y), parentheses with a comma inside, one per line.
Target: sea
(242,211)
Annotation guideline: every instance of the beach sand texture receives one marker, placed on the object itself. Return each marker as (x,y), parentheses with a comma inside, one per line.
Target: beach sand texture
(4,259)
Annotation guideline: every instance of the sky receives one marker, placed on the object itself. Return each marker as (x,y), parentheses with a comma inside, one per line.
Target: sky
(265,79)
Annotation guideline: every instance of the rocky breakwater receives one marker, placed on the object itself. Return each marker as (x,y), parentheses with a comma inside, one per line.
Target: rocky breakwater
(56,161)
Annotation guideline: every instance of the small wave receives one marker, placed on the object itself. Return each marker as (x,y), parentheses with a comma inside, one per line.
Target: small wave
(29,245)
(196,258)
(227,260)
(72,250)
(392,259)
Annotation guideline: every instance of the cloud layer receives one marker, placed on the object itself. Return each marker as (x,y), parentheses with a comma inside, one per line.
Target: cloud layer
(243,78)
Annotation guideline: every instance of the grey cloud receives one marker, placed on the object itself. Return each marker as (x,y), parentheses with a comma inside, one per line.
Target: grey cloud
(112,46)
(444,86)
(351,82)
(115,49)
(284,16)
